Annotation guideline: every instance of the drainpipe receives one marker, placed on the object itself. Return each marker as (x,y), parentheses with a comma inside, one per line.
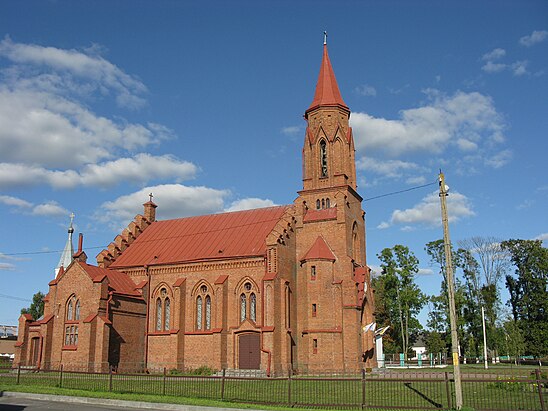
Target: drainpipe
(40,352)
(147,303)
(108,303)
(263,349)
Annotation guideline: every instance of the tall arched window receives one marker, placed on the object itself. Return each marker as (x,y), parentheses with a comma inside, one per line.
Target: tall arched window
(323,158)
(248,302)
(72,318)
(163,310)
(203,314)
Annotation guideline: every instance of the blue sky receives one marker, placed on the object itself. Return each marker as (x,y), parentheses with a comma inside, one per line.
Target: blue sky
(202,103)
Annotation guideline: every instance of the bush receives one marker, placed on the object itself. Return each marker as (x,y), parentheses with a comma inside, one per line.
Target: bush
(203,370)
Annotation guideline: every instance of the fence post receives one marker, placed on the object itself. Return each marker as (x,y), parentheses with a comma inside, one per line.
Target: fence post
(539,385)
(448,390)
(289,386)
(223,385)
(164,383)
(110,378)
(61,376)
(18,374)
(363,388)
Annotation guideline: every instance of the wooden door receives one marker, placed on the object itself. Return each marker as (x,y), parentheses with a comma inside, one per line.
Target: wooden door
(249,351)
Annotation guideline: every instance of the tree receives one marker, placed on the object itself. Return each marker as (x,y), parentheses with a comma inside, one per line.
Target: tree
(529,292)
(401,299)
(36,309)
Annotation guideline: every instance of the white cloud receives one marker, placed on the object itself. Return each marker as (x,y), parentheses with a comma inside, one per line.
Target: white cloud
(499,159)
(431,128)
(425,271)
(173,200)
(139,169)
(14,201)
(7,267)
(386,168)
(81,64)
(416,180)
(494,54)
(291,130)
(249,204)
(366,90)
(491,67)
(466,145)
(428,213)
(542,237)
(50,209)
(535,37)
(519,68)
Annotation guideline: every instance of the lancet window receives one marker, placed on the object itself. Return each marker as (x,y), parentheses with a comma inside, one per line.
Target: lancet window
(323,159)
(248,302)
(203,309)
(163,310)
(72,320)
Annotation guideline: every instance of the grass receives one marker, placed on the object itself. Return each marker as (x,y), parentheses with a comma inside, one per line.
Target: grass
(505,392)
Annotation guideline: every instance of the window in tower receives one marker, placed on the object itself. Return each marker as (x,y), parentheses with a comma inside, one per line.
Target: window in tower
(323,158)
(318,205)
(315,346)
(313,273)
(314,310)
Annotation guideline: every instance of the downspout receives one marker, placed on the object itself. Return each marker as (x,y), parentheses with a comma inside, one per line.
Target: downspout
(263,349)
(40,352)
(147,314)
(108,304)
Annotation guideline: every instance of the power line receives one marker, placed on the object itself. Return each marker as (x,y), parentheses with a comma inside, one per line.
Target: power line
(401,191)
(219,229)
(11,297)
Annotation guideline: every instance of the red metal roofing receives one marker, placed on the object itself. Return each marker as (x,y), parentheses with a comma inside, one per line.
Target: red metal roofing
(118,281)
(327,91)
(319,215)
(215,236)
(319,251)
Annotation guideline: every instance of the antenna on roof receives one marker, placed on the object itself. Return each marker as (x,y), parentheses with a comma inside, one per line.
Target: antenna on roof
(325,38)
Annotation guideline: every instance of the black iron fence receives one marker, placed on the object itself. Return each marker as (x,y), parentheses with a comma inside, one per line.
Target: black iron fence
(386,389)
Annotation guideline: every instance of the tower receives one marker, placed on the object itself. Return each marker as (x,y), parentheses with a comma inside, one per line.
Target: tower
(332,276)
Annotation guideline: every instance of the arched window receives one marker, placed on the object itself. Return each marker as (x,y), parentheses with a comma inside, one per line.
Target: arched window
(243,307)
(323,158)
(248,302)
(158,314)
(323,202)
(72,318)
(327,203)
(318,206)
(163,310)
(203,309)
(253,307)
(167,314)
(199,312)
(208,313)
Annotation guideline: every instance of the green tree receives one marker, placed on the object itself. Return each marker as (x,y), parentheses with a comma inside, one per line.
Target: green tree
(36,309)
(402,299)
(529,292)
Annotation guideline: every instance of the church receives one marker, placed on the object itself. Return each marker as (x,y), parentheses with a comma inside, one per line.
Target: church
(278,289)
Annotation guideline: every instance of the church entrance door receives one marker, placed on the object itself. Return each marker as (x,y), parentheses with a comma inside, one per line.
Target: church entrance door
(249,351)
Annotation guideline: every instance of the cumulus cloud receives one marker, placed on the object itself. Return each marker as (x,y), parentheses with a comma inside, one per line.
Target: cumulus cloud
(82,64)
(14,201)
(425,271)
(249,203)
(366,90)
(499,159)
(432,128)
(50,208)
(427,212)
(139,169)
(291,130)
(491,67)
(537,36)
(386,168)
(542,237)
(494,54)
(7,267)
(519,68)
(174,201)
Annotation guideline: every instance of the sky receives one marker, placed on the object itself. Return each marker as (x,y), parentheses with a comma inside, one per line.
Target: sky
(202,103)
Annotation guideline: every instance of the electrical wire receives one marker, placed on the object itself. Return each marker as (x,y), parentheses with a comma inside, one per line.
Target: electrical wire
(400,191)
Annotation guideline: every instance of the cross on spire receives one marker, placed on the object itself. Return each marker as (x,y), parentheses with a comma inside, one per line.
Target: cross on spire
(325,38)
(150,196)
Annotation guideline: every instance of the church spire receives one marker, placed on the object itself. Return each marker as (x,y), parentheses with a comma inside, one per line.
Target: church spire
(66,257)
(327,90)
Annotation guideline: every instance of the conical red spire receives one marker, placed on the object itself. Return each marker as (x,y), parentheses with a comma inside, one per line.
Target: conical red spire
(327,91)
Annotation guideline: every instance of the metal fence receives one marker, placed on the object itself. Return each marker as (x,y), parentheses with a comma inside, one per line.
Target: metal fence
(376,390)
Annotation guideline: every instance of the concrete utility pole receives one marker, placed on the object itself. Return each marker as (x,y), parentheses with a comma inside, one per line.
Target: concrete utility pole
(484,338)
(450,292)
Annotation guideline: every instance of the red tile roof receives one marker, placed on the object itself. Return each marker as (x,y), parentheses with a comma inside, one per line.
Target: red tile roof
(327,91)
(319,215)
(216,236)
(118,281)
(319,251)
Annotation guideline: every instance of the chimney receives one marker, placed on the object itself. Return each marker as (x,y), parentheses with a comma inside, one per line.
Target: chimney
(80,255)
(150,210)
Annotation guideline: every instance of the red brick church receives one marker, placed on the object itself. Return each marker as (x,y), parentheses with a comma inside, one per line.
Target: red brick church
(274,289)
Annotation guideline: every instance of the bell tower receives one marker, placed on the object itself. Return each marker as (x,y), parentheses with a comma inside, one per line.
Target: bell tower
(328,152)
(334,299)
